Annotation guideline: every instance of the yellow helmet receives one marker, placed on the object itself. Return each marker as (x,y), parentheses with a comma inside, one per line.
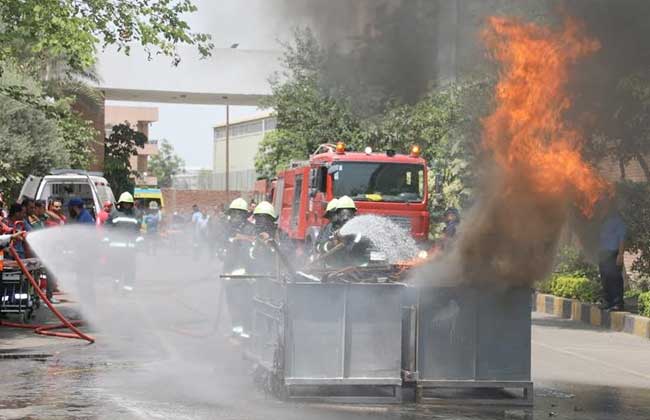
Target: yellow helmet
(345,202)
(331,206)
(125,197)
(238,204)
(265,207)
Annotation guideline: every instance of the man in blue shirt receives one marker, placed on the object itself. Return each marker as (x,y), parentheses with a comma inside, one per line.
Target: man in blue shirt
(610,260)
(78,213)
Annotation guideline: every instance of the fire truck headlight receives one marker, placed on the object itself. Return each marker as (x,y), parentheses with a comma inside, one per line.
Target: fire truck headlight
(368,150)
(423,254)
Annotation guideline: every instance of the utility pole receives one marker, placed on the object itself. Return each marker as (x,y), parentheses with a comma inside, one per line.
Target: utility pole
(227,148)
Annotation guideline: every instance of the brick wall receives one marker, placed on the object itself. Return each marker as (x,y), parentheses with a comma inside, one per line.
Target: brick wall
(182,200)
(609,168)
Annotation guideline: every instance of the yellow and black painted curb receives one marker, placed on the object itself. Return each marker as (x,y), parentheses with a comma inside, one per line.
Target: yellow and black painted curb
(592,314)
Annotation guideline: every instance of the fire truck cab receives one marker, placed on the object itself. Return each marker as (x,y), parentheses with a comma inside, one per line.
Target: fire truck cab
(387,184)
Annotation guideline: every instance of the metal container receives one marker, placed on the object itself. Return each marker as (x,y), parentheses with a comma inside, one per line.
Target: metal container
(333,341)
(474,337)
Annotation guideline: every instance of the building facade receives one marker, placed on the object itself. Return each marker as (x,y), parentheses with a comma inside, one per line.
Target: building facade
(138,118)
(245,138)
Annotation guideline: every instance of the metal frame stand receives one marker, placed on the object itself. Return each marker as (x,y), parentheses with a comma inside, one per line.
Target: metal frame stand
(508,399)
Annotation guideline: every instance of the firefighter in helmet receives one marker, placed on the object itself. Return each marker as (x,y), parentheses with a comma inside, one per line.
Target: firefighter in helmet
(344,250)
(332,225)
(239,238)
(238,232)
(123,230)
(262,255)
(345,210)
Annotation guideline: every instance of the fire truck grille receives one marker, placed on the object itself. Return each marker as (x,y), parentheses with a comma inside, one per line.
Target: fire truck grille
(402,222)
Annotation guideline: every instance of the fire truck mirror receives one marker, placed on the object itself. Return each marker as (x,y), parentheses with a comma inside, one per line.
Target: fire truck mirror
(334,169)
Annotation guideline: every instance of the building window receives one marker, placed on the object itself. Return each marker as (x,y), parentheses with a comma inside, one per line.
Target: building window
(240,129)
(270,123)
(220,133)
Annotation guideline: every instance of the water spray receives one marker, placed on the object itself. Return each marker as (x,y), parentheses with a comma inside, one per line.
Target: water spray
(45,329)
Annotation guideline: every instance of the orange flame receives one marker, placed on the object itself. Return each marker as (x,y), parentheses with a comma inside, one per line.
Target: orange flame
(527,133)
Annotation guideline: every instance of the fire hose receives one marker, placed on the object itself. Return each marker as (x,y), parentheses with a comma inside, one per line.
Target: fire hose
(45,329)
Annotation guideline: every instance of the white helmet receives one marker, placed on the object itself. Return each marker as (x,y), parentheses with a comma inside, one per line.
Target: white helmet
(331,206)
(265,208)
(238,204)
(346,202)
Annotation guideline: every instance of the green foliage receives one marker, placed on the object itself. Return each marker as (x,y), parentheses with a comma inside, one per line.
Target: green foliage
(644,304)
(634,204)
(165,164)
(73,28)
(306,116)
(36,134)
(575,287)
(119,147)
(571,261)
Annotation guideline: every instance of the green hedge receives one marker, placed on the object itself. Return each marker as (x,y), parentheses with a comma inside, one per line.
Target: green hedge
(575,287)
(644,304)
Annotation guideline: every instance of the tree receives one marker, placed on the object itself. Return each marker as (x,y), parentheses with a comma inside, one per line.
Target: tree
(47,52)
(306,115)
(36,135)
(73,28)
(122,143)
(165,164)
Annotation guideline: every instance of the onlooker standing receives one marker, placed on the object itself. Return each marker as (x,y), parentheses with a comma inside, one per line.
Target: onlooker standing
(39,217)
(610,258)
(78,212)
(105,213)
(17,224)
(55,213)
(30,209)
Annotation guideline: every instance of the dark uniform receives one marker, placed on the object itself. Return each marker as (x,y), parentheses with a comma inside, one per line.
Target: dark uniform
(122,230)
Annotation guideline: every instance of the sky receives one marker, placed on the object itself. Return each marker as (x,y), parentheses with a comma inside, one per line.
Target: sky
(250,23)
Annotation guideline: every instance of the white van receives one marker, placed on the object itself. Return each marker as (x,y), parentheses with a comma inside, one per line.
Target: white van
(63,184)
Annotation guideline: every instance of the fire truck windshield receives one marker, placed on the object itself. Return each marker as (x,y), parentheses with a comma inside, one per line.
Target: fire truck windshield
(372,181)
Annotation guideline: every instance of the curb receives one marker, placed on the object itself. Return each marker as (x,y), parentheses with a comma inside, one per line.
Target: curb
(591,314)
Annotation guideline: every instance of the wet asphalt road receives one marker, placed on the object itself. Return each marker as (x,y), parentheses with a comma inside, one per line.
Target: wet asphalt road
(157,356)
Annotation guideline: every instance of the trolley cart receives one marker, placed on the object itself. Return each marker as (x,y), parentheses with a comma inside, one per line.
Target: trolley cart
(17,295)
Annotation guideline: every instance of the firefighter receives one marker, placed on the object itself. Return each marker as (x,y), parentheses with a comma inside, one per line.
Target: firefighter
(240,236)
(123,236)
(345,210)
(262,255)
(332,225)
(239,233)
(345,250)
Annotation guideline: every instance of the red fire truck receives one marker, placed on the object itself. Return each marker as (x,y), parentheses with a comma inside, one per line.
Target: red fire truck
(387,184)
